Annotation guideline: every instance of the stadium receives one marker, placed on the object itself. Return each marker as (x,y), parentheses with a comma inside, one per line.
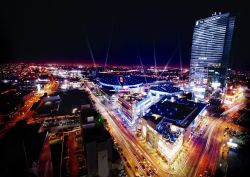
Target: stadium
(120,83)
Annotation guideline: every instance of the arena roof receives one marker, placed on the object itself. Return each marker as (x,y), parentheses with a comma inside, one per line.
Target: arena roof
(130,81)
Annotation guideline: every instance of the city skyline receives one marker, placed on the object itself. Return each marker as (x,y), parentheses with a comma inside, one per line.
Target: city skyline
(130,30)
(124,89)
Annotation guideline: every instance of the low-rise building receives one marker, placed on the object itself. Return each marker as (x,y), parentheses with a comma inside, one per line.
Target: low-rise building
(133,105)
(168,122)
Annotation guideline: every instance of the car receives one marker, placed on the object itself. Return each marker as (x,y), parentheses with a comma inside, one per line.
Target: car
(128,165)
(136,168)
(150,171)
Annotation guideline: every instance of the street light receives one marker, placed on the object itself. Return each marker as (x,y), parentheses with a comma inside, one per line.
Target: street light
(38,87)
(74,110)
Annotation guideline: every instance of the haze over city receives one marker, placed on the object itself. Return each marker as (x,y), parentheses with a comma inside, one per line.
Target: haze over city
(124,89)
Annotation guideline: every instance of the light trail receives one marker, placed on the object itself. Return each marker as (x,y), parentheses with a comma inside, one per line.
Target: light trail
(127,140)
(117,134)
(236,107)
(201,154)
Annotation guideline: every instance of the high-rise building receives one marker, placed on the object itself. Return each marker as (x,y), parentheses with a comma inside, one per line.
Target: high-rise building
(97,144)
(211,46)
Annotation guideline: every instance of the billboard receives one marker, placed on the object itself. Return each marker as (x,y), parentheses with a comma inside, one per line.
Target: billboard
(121,80)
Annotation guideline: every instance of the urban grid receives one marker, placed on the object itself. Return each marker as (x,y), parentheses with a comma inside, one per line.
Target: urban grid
(136,117)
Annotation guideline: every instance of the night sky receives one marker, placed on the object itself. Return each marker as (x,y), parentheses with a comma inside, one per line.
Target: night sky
(58,31)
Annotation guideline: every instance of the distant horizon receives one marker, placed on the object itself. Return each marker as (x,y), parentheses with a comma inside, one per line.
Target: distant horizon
(121,33)
(82,63)
(109,65)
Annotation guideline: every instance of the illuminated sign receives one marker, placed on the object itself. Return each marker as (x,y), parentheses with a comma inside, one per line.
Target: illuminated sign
(121,80)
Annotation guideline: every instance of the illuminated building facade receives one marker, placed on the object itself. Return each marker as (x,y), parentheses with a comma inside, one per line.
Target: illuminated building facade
(167,124)
(133,106)
(166,146)
(233,94)
(120,83)
(211,45)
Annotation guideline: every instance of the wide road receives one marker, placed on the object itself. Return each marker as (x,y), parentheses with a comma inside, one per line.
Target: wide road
(128,141)
(201,153)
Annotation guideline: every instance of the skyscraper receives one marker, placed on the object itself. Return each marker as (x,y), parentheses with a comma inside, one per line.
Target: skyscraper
(211,46)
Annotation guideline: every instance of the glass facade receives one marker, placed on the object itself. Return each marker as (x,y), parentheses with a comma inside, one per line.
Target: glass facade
(211,45)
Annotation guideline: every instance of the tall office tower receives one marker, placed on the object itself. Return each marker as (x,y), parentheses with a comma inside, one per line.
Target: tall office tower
(211,46)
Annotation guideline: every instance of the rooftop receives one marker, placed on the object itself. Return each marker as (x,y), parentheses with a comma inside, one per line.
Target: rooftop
(95,134)
(167,89)
(181,112)
(114,80)
(132,98)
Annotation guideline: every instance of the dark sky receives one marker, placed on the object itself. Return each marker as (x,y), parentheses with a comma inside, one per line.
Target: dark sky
(55,31)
